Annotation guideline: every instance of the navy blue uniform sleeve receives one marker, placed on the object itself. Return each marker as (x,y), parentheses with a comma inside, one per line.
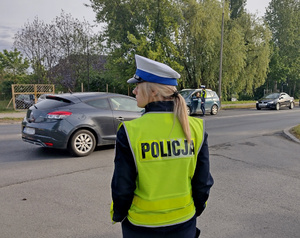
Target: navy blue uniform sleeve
(202,180)
(124,177)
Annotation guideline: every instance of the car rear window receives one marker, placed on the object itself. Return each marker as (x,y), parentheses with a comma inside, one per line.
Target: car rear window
(52,102)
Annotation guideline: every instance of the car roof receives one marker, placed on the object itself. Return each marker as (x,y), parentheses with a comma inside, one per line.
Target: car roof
(78,96)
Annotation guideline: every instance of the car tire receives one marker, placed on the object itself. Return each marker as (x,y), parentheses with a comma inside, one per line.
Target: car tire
(214,110)
(188,109)
(82,143)
(277,107)
(291,105)
(258,108)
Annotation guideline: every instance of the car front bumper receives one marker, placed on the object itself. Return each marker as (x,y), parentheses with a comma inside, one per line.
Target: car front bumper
(266,105)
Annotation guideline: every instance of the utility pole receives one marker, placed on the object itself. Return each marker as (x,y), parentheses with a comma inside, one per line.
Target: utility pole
(221,56)
(88,62)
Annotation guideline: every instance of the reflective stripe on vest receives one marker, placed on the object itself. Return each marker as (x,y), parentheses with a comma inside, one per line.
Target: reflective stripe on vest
(165,167)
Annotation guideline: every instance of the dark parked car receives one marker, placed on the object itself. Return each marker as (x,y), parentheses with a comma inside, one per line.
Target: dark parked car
(24,101)
(275,101)
(212,101)
(78,122)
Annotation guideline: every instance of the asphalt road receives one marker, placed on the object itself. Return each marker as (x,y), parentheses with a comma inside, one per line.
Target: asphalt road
(48,193)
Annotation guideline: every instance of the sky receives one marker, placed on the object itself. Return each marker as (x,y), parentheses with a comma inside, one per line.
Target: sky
(14,14)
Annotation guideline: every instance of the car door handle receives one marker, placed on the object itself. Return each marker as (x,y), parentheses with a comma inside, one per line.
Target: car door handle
(120,118)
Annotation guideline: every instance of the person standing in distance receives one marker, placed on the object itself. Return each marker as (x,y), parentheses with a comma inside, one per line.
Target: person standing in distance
(161,179)
(195,101)
(203,97)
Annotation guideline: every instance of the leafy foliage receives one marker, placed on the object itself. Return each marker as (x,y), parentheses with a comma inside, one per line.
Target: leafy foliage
(237,8)
(186,35)
(283,17)
(13,69)
(12,64)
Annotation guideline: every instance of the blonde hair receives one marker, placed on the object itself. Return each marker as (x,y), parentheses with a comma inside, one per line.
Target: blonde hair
(160,92)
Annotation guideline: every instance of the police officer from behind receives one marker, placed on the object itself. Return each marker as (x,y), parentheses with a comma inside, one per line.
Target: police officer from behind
(161,178)
(203,97)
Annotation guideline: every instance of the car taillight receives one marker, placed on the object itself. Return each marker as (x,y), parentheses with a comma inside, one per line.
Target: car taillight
(58,115)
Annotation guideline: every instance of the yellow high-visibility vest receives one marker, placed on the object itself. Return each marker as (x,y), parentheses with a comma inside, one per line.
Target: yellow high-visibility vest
(165,167)
(203,93)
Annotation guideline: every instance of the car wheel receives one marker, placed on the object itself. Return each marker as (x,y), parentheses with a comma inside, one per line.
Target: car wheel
(258,108)
(291,105)
(214,110)
(82,143)
(188,109)
(277,106)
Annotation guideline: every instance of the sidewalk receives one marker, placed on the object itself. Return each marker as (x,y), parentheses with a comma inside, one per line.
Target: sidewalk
(19,114)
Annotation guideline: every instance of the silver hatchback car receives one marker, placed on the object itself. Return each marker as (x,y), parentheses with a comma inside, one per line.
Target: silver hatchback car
(79,121)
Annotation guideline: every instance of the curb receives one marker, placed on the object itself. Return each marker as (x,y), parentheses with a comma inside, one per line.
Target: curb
(290,136)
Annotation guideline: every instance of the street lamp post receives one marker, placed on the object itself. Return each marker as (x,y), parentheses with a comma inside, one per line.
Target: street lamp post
(221,55)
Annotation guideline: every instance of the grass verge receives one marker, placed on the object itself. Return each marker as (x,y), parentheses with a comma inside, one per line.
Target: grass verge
(238,104)
(296,131)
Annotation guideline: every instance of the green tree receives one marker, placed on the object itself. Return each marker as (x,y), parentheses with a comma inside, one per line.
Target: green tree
(149,28)
(283,17)
(257,54)
(200,37)
(13,69)
(278,70)
(186,35)
(245,54)
(12,64)
(237,7)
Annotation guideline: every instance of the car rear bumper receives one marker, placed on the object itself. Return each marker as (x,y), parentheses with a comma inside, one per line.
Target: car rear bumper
(40,143)
(44,141)
(45,134)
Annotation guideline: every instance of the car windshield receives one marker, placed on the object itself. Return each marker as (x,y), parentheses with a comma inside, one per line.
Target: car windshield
(273,96)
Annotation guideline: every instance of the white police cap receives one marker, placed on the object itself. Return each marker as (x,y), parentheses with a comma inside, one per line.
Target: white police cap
(154,72)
